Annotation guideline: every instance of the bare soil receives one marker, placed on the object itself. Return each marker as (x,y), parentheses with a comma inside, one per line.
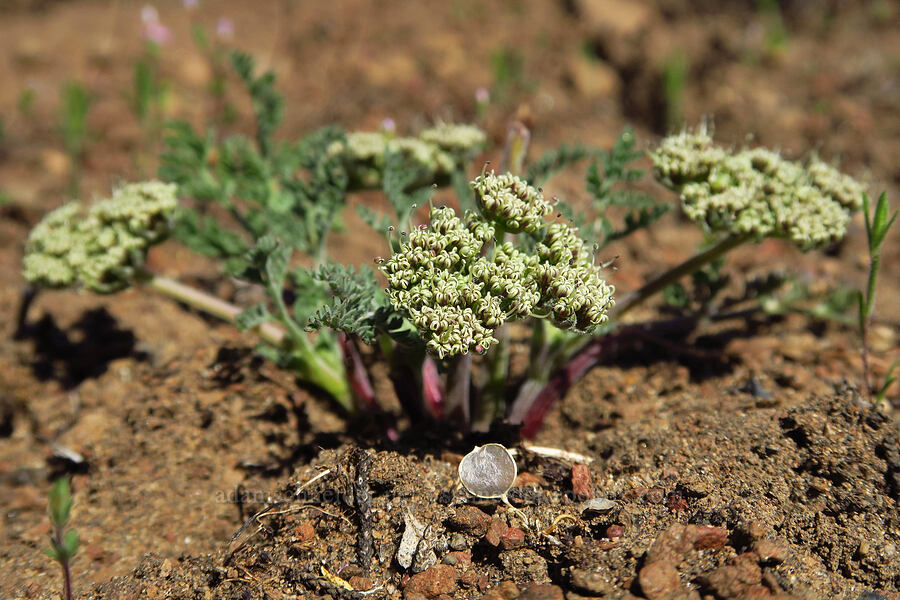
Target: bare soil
(740,462)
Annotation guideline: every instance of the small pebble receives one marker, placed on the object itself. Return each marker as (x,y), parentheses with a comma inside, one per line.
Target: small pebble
(656,495)
(581,482)
(541,591)
(615,531)
(598,505)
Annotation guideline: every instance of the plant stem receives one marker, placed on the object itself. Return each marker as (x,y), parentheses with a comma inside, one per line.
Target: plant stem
(314,365)
(311,365)
(535,400)
(63,560)
(356,372)
(67,579)
(459,382)
(663,280)
(209,304)
(865,312)
(432,391)
(490,403)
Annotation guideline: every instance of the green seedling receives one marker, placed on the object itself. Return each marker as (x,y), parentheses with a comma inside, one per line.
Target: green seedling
(878,223)
(26,102)
(76,103)
(674,76)
(776,35)
(508,69)
(63,542)
(148,98)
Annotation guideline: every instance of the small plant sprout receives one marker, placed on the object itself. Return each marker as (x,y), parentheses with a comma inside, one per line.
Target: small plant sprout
(76,102)
(490,471)
(63,543)
(877,226)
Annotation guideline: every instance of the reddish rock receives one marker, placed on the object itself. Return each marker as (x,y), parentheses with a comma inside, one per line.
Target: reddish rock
(734,579)
(469,578)
(615,531)
(432,582)
(470,519)
(512,538)
(707,537)
(541,591)
(462,558)
(659,581)
(505,590)
(495,531)
(305,532)
(581,482)
(360,583)
(772,551)
(671,545)
(656,495)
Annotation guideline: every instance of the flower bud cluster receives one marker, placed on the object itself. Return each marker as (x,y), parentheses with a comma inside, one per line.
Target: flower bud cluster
(511,202)
(458,281)
(437,152)
(430,279)
(573,290)
(101,247)
(757,191)
(458,140)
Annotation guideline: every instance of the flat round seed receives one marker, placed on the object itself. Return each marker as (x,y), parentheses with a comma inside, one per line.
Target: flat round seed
(488,471)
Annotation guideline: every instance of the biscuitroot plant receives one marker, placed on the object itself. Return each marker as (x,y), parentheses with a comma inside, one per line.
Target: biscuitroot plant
(457,280)
(460,285)
(259,206)
(736,197)
(103,249)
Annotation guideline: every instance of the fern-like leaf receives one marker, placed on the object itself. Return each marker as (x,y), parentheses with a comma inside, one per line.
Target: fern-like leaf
(553,161)
(356,297)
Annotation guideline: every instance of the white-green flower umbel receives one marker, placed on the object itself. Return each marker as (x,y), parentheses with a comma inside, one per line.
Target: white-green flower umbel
(458,280)
(756,191)
(437,152)
(101,247)
(511,202)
